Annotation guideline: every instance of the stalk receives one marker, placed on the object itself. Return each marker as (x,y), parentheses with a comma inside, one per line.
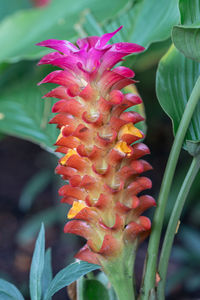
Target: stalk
(79,288)
(120,273)
(150,272)
(171,229)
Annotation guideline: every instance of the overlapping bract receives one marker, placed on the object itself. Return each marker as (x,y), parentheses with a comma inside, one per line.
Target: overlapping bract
(97,137)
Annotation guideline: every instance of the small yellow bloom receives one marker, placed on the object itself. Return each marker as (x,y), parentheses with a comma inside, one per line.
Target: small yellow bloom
(123,147)
(75,209)
(67,156)
(130,129)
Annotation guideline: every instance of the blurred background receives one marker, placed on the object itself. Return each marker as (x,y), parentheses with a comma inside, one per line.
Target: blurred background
(28,185)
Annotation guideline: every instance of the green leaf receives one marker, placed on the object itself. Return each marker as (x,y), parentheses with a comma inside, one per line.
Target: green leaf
(177,279)
(186,38)
(193,283)
(22,30)
(193,148)
(191,239)
(148,59)
(25,114)
(180,255)
(104,280)
(8,7)
(33,188)
(48,217)
(47,274)
(37,266)
(187,41)
(94,289)
(144,22)
(176,77)
(190,11)
(68,275)
(8,291)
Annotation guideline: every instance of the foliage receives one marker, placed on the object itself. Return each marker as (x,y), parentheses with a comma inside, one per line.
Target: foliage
(42,285)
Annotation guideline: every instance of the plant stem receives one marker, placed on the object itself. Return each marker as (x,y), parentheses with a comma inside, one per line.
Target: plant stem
(173,222)
(79,288)
(120,273)
(150,272)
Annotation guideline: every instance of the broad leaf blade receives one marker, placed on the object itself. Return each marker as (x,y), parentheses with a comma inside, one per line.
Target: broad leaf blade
(144,22)
(19,32)
(25,114)
(190,11)
(8,7)
(37,267)
(9,292)
(186,37)
(187,41)
(68,275)
(176,77)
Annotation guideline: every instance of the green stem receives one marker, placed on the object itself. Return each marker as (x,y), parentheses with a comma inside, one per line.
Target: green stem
(79,288)
(173,223)
(150,272)
(120,273)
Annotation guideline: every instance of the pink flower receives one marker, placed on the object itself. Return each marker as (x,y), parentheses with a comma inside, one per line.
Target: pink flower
(97,137)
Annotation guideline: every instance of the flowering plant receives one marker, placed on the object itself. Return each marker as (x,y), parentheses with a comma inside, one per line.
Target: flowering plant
(101,157)
(98,128)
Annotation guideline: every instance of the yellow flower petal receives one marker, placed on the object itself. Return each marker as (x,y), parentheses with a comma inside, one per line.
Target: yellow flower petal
(122,147)
(67,156)
(130,129)
(75,209)
(60,134)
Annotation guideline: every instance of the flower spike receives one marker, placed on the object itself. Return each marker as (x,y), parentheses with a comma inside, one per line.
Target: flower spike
(100,144)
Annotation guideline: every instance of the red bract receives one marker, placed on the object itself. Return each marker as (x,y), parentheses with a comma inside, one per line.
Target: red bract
(98,138)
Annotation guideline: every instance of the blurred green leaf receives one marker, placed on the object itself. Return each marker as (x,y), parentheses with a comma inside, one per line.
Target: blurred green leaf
(193,196)
(9,6)
(191,239)
(176,279)
(194,216)
(140,22)
(176,77)
(37,266)
(146,60)
(11,73)
(33,188)
(49,217)
(21,31)
(190,11)
(68,275)
(94,289)
(180,254)
(25,114)
(187,41)
(47,274)
(193,282)
(8,291)
(104,280)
